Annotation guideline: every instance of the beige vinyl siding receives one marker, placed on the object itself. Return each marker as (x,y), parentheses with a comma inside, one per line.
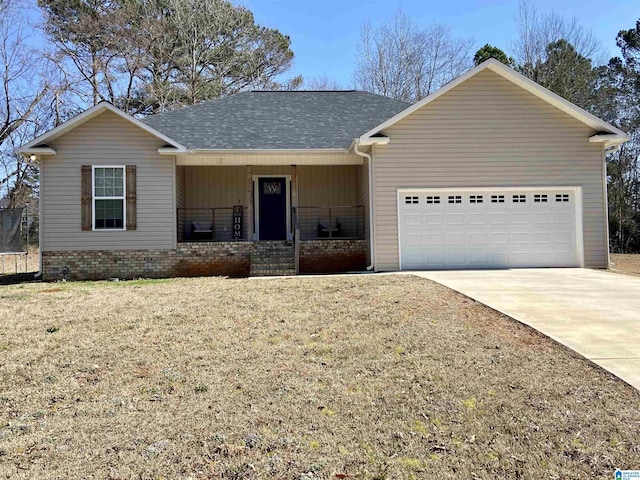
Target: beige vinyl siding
(107,139)
(488,132)
(215,187)
(362,198)
(327,186)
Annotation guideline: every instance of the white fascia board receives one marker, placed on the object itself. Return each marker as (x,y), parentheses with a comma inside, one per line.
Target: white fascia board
(37,151)
(373,141)
(89,114)
(171,151)
(518,79)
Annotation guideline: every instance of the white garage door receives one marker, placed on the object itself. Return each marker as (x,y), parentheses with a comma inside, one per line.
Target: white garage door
(485,228)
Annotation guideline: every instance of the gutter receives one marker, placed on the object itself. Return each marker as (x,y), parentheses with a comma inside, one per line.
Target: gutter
(371,227)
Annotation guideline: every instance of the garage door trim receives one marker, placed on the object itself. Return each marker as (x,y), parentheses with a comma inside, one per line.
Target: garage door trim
(576,190)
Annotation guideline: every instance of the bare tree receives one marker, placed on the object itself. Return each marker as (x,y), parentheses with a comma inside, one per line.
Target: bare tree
(321,83)
(24,90)
(536,32)
(18,73)
(401,60)
(85,38)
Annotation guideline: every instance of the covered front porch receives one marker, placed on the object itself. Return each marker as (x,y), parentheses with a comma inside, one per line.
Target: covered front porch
(309,218)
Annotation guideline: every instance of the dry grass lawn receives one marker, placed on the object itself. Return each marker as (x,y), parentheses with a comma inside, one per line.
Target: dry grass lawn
(356,377)
(627,263)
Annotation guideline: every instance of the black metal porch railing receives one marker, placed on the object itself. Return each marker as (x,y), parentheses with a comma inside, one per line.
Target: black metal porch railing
(331,222)
(211,224)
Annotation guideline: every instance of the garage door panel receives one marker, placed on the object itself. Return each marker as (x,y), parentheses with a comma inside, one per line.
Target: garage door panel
(477,219)
(434,219)
(434,239)
(410,219)
(413,240)
(493,228)
(520,218)
(499,259)
(542,237)
(499,238)
(563,218)
(456,257)
(455,219)
(477,239)
(456,238)
(498,218)
(542,218)
(435,258)
(520,237)
(478,258)
(564,238)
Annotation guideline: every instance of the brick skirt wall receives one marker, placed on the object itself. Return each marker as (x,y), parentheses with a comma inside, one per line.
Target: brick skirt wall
(188,260)
(332,256)
(231,259)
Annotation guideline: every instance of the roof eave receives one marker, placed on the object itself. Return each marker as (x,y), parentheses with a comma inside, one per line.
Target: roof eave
(609,139)
(38,151)
(366,141)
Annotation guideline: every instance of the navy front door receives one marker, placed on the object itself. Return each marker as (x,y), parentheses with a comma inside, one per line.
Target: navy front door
(272,195)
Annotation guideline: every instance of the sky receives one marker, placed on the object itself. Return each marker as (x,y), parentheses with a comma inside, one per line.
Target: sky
(324,34)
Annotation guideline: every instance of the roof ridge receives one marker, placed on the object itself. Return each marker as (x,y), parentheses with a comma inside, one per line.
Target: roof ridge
(303,91)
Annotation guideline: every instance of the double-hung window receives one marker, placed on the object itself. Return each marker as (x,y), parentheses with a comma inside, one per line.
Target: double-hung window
(109,198)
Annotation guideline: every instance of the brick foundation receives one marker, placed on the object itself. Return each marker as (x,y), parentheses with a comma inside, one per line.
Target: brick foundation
(188,260)
(231,259)
(332,256)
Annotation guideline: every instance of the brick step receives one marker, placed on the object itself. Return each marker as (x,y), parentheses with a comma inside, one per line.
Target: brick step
(272,273)
(259,256)
(268,265)
(272,258)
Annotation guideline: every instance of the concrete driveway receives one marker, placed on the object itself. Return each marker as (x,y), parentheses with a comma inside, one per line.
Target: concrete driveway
(595,313)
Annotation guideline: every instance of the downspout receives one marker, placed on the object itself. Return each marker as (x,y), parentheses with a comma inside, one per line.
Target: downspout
(38,274)
(606,150)
(371,228)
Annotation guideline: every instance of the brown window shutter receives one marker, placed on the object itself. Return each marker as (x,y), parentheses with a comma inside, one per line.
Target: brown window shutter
(131,197)
(87,197)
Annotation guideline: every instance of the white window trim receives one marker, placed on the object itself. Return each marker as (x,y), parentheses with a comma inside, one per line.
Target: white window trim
(123,198)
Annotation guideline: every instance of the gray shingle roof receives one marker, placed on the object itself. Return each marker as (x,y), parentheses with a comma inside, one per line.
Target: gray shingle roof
(277,120)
